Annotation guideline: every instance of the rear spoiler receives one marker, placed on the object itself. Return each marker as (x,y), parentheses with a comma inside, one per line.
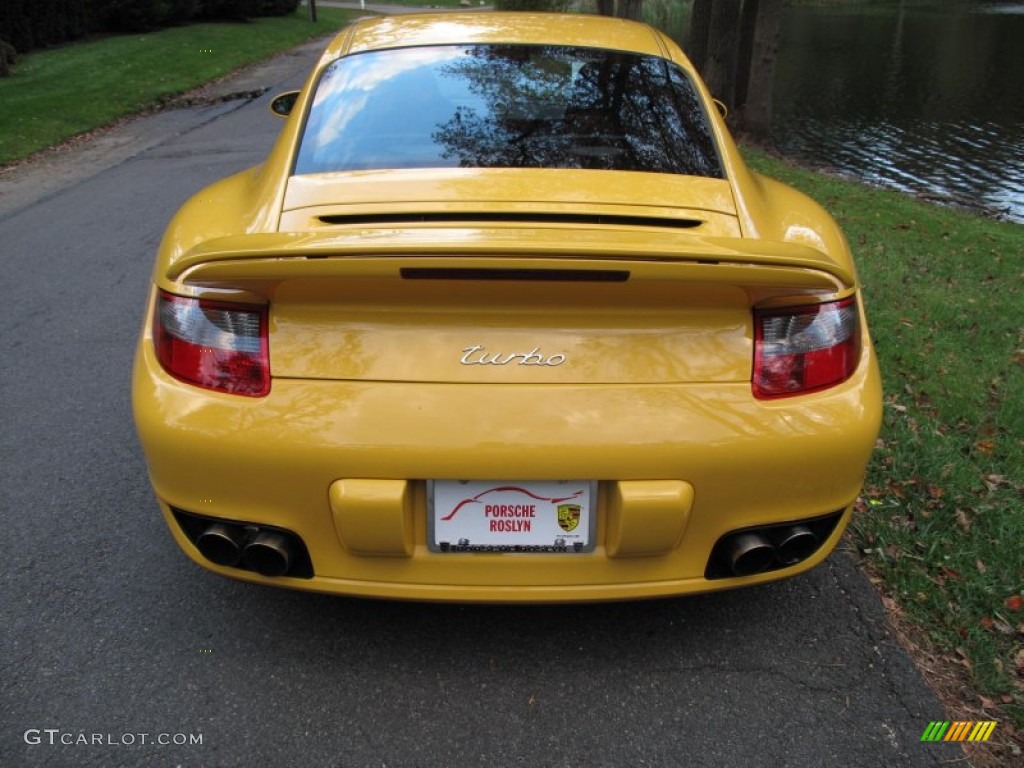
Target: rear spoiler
(383,251)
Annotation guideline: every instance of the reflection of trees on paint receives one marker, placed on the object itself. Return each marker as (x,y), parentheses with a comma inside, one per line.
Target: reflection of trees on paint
(567,108)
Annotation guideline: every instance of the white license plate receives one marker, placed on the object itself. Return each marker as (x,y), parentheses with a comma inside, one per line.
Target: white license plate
(544,516)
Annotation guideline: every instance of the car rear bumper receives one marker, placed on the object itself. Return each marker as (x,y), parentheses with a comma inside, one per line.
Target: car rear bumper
(276,461)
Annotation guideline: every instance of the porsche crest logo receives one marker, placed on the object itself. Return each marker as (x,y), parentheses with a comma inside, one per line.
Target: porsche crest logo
(569,516)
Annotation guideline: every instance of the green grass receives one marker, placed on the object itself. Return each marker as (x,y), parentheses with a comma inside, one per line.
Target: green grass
(941,516)
(56,94)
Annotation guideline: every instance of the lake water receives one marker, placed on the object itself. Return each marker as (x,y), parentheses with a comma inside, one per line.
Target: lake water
(925,97)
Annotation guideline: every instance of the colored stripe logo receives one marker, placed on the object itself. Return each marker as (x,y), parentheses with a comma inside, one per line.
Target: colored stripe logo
(959,730)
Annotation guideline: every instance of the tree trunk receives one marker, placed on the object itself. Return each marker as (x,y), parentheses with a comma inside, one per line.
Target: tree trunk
(720,68)
(700,24)
(630,9)
(757,114)
(606,7)
(6,58)
(744,50)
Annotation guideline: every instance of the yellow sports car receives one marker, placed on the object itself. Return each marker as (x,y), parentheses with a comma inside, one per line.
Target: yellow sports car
(504,317)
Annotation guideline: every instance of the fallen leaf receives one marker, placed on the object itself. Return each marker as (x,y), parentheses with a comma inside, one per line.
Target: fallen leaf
(986,622)
(987,703)
(1002,626)
(982,568)
(992,482)
(984,446)
(962,521)
(1014,603)
(963,660)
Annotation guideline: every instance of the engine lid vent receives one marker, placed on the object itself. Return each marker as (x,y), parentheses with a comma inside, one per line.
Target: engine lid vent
(447,217)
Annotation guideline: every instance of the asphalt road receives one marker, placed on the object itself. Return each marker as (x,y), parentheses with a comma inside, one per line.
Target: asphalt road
(112,638)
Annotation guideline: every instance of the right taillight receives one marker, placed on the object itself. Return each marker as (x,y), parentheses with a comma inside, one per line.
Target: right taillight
(806,348)
(213,344)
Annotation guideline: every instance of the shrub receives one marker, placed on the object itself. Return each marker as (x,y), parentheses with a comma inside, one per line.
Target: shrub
(229,9)
(277,7)
(28,24)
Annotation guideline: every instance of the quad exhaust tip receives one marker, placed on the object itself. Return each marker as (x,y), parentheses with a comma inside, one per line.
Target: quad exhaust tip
(221,544)
(269,551)
(269,554)
(751,551)
(794,544)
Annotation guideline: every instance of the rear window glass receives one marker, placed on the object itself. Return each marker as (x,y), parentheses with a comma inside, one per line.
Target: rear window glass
(506,106)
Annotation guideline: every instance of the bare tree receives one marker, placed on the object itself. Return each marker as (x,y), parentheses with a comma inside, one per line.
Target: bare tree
(700,25)
(624,9)
(744,50)
(723,34)
(629,9)
(7,57)
(756,116)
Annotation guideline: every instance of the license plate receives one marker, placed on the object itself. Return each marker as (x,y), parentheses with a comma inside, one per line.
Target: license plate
(542,516)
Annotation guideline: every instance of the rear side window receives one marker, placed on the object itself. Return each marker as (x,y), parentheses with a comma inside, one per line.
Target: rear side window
(506,106)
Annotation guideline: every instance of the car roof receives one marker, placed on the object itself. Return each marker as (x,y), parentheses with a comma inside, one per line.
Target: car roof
(407,30)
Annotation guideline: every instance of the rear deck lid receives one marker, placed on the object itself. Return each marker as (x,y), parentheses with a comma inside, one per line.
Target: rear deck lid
(540,196)
(510,304)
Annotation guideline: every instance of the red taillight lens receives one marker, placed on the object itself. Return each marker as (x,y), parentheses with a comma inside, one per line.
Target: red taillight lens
(213,344)
(802,349)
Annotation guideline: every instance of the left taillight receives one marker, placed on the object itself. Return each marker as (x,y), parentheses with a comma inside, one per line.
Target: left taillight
(805,349)
(213,344)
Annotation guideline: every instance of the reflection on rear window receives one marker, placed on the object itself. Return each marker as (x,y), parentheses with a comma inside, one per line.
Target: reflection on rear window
(506,106)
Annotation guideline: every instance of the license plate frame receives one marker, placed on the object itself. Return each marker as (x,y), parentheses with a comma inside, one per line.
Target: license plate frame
(512,516)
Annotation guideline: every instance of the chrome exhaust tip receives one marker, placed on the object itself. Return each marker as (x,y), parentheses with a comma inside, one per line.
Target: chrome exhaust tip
(794,544)
(750,553)
(221,544)
(269,554)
